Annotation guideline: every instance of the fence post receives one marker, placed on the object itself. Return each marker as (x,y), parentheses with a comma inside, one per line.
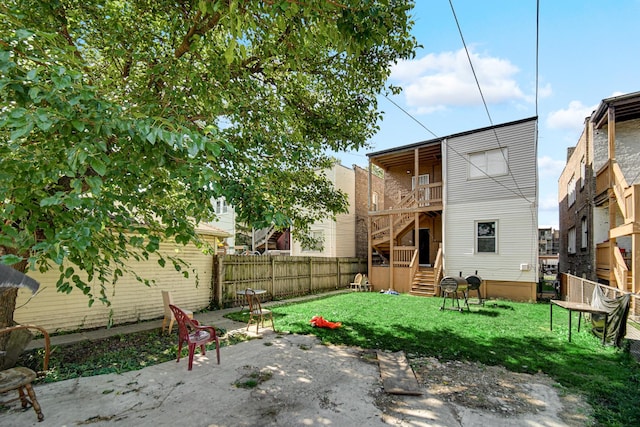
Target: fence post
(273,275)
(310,274)
(216,280)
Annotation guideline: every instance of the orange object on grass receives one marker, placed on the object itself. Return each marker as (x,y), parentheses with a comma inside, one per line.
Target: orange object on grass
(319,322)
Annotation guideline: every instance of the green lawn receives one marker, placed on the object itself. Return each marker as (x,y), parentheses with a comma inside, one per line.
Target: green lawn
(515,335)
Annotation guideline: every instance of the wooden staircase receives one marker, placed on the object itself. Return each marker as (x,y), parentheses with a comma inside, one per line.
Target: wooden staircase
(424,282)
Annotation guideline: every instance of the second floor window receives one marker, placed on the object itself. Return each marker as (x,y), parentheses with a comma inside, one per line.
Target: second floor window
(571,190)
(571,240)
(584,233)
(374,201)
(318,236)
(488,163)
(221,206)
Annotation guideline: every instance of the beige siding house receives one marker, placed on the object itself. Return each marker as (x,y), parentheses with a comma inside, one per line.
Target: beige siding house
(339,236)
(131,300)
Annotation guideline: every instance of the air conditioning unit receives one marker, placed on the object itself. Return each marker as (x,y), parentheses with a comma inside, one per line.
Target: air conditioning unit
(525,267)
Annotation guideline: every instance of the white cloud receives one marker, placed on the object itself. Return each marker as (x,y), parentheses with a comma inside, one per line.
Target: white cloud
(550,167)
(442,80)
(571,118)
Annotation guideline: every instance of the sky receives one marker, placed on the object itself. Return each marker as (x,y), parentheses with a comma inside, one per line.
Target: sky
(586,51)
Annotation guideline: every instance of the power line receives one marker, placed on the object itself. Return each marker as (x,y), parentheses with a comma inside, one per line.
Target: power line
(413,118)
(445,143)
(484,102)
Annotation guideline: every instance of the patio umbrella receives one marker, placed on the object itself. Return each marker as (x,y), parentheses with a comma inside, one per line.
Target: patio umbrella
(12,278)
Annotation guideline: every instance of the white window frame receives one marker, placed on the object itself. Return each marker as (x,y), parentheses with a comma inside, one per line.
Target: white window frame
(316,234)
(585,231)
(478,238)
(221,206)
(422,180)
(374,201)
(571,190)
(488,163)
(583,171)
(571,240)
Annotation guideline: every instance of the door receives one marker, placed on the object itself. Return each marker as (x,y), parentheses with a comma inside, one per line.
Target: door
(423,249)
(422,196)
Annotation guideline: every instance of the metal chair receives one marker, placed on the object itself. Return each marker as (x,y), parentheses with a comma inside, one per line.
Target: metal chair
(194,334)
(256,312)
(20,378)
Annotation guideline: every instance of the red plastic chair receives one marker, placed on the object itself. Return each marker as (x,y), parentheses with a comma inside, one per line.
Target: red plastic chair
(192,333)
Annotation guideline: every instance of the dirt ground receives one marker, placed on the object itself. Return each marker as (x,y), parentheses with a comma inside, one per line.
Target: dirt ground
(294,380)
(495,395)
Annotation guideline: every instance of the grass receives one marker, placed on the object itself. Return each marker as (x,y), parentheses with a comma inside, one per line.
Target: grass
(514,335)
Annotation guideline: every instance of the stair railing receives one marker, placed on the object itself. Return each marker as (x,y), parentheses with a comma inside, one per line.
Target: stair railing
(620,269)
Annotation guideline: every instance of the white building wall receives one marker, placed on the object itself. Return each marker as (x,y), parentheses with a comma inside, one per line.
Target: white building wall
(517,240)
(226,221)
(510,199)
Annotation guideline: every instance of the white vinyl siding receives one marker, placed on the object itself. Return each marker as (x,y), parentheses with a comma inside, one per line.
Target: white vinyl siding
(520,182)
(516,240)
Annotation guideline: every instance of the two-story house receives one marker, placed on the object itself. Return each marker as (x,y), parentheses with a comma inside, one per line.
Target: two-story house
(458,205)
(599,197)
(346,236)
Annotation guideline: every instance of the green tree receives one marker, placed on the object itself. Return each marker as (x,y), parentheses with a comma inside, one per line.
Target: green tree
(120,120)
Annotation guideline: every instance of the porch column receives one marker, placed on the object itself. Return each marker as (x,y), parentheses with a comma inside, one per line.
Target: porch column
(611,136)
(369,247)
(416,220)
(635,264)
(416,240)
(392,260)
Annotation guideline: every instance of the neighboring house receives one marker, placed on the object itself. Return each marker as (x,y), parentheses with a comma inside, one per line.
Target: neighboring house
(599,197)
(344,237)
(131,301)
(458,205)
(548,247)
(226,221)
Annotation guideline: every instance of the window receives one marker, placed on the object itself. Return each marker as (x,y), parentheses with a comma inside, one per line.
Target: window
(318,236)
(583,171)
(488,163)
(423,181)
(571,240)
(571,190)
(221,206)
(584,233)
(374,201)
(486,237)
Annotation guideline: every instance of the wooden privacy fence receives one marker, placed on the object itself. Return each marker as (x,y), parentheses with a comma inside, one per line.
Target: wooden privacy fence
(281,276)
